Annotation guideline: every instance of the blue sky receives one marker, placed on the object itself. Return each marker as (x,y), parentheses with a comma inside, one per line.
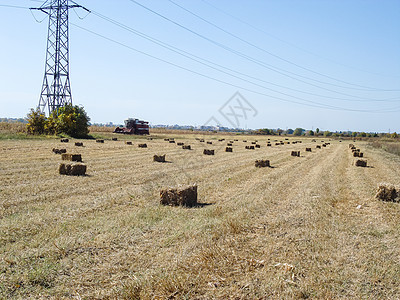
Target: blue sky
(322,63)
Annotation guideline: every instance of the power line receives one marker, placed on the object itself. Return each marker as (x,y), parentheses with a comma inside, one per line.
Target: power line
(201,61)
(13,6)
(316,105)
(266,51)
(289,43)
(238,53)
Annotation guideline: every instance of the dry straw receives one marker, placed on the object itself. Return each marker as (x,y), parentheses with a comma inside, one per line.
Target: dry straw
(262,163)
(72,169)
(208,152)
(388,192)
(361,163)
(295,153)
(180,196)
(59,151)
(159,158)
(71,157)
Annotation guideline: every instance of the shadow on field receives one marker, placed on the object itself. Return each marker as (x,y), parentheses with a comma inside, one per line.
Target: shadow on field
(200,205)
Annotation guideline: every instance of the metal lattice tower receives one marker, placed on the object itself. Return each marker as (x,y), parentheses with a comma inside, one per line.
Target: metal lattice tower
(56,88)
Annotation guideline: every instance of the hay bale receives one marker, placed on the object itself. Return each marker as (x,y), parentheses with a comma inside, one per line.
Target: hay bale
(236,140)
(79,144)
(159,158)
(208,152)
(249,147)
(186,147)
(180,144)
(167,140)
(253,143)
(277,144)
(201,141)
(209,143)
(360,154)
(361,163)
(181,196)
(323,145)
(149,139)
(171,141)
(142,145)
(115,139)
(100,141)
(387,192)
(128,143)
(221,140)
(318,147)
(71,157)
(269,145)
(295,153)
(59,151)
(356,154)
(64,140)
(258,146)
(229,144)
(228,149)
(308,149)
(72,170)
(244,141)
(262,163)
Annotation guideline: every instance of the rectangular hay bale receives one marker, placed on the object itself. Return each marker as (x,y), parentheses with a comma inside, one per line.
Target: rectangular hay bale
(387,192)
(181,196)
(159,158)
(262,163)
(208,152)
(71,157)
(361,163)
(72,169)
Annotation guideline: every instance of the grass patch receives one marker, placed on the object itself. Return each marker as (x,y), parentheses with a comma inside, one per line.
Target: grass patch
(391,147)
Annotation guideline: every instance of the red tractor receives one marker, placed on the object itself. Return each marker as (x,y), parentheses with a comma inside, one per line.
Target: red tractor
(134,126)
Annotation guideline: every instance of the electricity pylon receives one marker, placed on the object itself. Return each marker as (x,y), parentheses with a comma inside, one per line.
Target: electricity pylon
(56,88)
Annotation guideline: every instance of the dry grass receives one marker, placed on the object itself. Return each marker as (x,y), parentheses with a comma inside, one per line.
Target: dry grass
(391,147)
(307,228)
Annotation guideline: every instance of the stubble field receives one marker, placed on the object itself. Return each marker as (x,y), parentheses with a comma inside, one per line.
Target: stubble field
(309,227)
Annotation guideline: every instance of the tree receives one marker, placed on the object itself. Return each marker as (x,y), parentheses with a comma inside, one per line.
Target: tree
(36,122)
(71,120)
(327,133)
(298,131)
(311,133)
(394,135)
(317,131)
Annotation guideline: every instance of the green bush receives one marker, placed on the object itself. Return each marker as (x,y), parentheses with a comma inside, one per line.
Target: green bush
(70,120)
(36,122)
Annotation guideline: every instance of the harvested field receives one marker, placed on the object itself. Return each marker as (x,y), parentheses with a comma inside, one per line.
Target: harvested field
(306,228)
